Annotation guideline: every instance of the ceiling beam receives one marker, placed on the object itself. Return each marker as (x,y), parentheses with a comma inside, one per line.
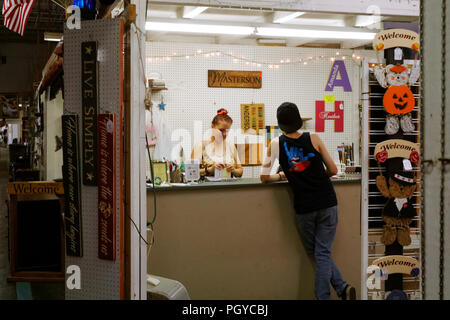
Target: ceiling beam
(387,7)
(192,12)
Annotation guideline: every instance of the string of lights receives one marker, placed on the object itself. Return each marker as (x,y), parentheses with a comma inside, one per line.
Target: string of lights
(356,58)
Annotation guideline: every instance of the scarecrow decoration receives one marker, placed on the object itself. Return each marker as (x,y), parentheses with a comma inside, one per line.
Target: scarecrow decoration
(399,187)
(398,100)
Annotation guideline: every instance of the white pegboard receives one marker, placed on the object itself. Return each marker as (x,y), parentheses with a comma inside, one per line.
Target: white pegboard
(100,279)
(189,98)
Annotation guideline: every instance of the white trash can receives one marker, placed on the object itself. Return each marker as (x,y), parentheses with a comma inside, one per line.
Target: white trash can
(159,288)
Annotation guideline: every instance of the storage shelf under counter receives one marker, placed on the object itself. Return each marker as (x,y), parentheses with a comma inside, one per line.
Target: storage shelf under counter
(245,230)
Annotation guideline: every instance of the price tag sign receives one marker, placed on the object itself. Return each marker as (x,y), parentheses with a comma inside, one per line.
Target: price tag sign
(328,98)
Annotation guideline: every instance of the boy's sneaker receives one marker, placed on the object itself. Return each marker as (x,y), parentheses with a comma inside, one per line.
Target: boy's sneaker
(349,293)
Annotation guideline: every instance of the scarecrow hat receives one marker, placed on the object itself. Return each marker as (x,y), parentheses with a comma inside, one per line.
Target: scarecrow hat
(396,172)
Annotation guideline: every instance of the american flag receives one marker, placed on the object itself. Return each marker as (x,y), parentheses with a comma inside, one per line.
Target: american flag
(15,13)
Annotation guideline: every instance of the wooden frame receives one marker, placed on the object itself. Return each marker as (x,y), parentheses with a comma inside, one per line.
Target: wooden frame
(158,168)
(32,276)
(9,100)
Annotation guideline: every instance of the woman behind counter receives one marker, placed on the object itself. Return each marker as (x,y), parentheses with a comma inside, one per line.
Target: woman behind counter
(217,153)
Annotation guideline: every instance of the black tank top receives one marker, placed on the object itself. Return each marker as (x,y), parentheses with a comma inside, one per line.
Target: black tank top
(303,166)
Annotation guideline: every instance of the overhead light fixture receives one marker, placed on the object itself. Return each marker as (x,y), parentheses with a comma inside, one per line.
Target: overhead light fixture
(282,17)
(198,28)
(271,41)
(51,36)
(192,12)
(259,31)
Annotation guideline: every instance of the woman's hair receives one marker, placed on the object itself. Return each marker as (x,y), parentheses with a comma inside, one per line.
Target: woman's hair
(222,115)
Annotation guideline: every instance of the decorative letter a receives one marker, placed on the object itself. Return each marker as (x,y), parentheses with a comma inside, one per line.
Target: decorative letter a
(338,67)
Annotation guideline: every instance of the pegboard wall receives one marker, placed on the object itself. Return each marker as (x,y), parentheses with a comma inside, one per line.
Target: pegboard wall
(189,99)
(100,279)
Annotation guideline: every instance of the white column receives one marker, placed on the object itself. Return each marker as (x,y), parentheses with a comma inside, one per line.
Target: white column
(138,200)
(431,84)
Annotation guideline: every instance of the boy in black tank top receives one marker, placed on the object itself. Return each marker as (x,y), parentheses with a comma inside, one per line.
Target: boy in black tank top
(302,157)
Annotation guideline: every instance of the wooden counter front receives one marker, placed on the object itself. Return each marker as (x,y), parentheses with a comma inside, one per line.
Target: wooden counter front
(242,242)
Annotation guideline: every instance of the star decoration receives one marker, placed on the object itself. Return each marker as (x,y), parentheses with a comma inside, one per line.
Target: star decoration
(90,176)
(88,50)
(162,106)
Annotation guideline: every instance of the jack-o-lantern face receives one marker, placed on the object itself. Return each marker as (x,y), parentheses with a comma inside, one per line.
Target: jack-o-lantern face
(399,100)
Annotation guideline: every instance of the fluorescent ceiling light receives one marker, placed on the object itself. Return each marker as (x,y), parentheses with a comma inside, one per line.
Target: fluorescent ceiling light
(281,17)
(191,12)
(197,28)
(50,36)
(271,41)
(258,31)
(318,34)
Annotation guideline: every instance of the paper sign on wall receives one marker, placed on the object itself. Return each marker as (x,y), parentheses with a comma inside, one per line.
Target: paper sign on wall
(328,98)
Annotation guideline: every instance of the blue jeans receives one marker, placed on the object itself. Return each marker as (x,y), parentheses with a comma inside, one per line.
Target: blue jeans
(317,230)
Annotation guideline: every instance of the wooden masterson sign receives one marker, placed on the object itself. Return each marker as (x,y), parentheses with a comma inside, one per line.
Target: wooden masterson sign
(23,188)
(90,107)
(392,38)
(107,186)
(72,184)
(234,79)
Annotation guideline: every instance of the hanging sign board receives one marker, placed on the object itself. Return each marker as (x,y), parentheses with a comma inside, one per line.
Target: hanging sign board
(22,188)
(252,118)
(90,106)
(398,264)
(71,177)
(337,116)
(234,79)
(107,186)
(396,148)
(392,38)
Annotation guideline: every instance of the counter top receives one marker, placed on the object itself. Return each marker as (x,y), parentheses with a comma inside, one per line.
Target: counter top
(237,183)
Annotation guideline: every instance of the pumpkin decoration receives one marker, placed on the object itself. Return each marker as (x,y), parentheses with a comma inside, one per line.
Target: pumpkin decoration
(399,100)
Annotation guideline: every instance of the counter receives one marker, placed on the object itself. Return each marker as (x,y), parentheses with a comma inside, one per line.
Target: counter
(239,182)
(238,240)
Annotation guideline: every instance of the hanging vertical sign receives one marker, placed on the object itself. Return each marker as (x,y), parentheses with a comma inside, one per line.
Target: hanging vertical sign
(90,102)
(333,81)
(252,118)
(71,177)
(107,186)
(337,116)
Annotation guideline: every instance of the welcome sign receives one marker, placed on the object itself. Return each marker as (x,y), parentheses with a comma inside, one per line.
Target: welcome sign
(392,38)
(22,188)
(396,148)
(398,264)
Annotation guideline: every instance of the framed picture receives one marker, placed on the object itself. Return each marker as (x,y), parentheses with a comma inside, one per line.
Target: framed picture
(9,106)
(160,172)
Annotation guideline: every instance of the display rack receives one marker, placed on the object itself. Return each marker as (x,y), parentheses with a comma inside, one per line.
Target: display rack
(373,123)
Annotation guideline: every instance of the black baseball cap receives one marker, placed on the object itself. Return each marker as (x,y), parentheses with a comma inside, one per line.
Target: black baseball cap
(288,116)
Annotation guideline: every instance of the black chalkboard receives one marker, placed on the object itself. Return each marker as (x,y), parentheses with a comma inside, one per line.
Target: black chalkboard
(39,236)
